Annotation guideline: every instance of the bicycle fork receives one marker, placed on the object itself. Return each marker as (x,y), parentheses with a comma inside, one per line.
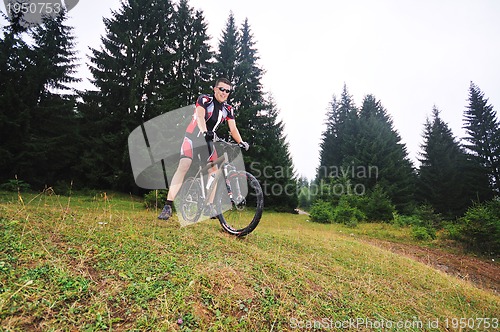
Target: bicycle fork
(233,189)
(228,184)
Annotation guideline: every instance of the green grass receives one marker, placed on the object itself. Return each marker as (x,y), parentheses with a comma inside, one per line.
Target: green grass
(104,263)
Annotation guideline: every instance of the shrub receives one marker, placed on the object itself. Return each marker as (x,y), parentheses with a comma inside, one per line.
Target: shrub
(281,208)
(481,226)
(423,233)
(424,222)
(404,220)
(347,214)
(356,201)
(453,231)
(155,199)
(15,185)
(321,212)
(378,206)
(428,217)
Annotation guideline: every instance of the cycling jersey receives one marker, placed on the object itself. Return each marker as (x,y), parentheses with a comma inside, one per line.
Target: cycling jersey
(215,114)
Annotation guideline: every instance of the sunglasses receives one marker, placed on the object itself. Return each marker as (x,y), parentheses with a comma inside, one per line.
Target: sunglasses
(224,90)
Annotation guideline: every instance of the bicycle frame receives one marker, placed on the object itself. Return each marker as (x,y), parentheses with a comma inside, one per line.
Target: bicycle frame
(230,206)
(224,168)
(221,161)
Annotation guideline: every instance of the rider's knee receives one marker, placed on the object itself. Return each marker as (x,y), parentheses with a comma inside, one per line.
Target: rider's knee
(184,165)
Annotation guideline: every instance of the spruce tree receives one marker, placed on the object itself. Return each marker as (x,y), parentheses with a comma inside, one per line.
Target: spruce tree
(330,145)
(348,117)
(379,145)
(248,97)
(16,66)
(362,148)
(151,61)
(256,117)
(271,162)
(129,72)
(248,92)
(444,180)
(190,73)
(337,143)
(483,134)
(38,106)
(54,47)
(53,144)
(226,58)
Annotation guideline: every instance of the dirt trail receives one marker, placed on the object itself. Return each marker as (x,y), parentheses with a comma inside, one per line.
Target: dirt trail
(481,272)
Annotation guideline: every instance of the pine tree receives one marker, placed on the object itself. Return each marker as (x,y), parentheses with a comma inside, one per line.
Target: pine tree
(362,148)
(483,134)
(330,146)
(190,71)
(226,58)
(256,117)
(39,107)
(337,144)
(248,73)
(271,162)
(248,97)
(379,145)
(151,61)
(443,174)
(52,146)
(16,66)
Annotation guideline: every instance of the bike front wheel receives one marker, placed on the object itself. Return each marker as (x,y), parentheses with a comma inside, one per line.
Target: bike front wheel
(239,203)
(191,202)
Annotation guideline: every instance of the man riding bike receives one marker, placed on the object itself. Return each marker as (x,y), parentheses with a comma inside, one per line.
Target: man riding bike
(211,111)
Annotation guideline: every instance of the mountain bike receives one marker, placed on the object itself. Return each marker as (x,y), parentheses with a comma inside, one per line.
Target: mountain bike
(238,202)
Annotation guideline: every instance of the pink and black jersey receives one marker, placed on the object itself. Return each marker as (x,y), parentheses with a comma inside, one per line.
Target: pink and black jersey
(215,114)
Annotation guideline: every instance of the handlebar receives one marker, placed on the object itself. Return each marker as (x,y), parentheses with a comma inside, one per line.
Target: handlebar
(210,144)
(222,140)
(228,145)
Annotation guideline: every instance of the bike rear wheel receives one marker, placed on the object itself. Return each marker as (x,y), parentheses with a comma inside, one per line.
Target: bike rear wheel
(191,200)
(239,202)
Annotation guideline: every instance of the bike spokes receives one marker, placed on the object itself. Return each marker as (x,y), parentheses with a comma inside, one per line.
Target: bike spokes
(191,201)
(240,203)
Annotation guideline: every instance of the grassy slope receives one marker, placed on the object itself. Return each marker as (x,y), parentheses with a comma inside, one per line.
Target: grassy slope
(105,263)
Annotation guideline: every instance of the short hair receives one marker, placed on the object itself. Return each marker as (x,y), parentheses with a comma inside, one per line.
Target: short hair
(223,80)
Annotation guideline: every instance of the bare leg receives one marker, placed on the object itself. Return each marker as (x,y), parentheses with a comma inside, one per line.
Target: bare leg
(178,178)
(212,194)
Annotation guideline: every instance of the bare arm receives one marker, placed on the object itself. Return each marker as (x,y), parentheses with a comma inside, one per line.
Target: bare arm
(234,131)
(200,119)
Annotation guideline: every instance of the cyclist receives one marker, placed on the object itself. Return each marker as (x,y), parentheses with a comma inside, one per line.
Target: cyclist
(211,110)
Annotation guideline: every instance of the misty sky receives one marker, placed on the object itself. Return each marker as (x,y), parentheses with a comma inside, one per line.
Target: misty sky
(411,55)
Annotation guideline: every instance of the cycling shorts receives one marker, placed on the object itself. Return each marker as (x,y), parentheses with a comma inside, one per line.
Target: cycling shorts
(189,151)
